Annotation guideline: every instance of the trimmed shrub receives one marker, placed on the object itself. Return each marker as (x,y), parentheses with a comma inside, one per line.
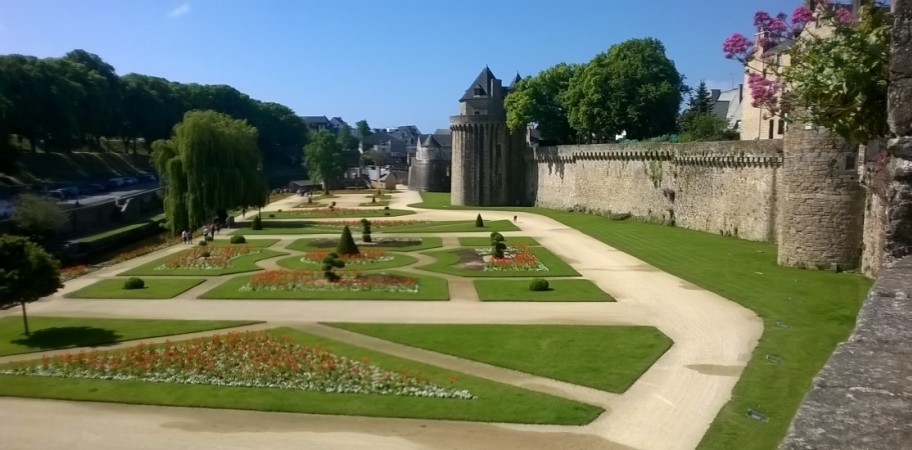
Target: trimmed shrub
(347,244)
(203,243)
(205,254)
(365,230)
(134,283)
(479,222)
(330,262)
(257,223)
(238,239)
(538,284)
(209,237)
(272,216)
(386,208)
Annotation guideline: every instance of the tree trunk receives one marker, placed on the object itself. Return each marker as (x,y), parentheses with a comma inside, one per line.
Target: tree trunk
(25,319)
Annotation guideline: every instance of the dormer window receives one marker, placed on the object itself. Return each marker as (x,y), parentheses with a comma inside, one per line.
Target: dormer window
(479,92)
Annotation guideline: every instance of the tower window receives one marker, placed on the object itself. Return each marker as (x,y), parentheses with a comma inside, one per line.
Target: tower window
(479,92)
(781,128)
(771,129)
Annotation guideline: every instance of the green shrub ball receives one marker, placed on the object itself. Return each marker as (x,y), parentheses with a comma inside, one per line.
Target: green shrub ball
(134,283)
(538,284)
(238,239)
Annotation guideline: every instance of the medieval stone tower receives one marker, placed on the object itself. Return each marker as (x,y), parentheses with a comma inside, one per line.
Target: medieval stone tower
(822,201)
(487,158)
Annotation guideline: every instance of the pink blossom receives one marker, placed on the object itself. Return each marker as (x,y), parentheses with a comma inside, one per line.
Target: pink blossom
(844,16)
(801,15)
(736,45)
(764,91)
(761,19)
(776,26)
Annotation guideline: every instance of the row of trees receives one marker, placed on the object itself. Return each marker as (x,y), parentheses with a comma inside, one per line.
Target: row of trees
(59,104)
(633,89)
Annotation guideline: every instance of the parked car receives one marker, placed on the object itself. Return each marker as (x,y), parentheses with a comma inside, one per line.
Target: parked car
(71,191)
(58,194)
(116,182)
(130,180)
(147,177)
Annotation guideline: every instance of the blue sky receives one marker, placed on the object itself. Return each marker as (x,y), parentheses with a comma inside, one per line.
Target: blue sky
(392,62)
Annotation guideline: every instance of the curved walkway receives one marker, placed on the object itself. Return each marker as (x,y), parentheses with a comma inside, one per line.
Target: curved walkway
(669,407)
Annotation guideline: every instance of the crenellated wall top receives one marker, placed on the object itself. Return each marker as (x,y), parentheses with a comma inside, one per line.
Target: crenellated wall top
(728,153)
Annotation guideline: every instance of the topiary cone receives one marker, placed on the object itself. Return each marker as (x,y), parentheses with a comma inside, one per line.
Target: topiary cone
(479,222)
(347,244)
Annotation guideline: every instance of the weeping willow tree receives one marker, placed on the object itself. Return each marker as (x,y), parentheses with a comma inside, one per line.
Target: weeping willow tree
(210,164)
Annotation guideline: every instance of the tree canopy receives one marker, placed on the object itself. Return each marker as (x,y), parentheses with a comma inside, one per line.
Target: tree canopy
(541,99)
(27,273)
(325,158)
(632,88)
(210,163)
(75,100)
(39,218)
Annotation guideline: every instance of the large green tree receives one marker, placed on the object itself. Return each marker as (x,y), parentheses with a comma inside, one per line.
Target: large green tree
(363,129)
(325,158)
(541,100)
(210,164)
(27,273)
(39,218)
(633,87)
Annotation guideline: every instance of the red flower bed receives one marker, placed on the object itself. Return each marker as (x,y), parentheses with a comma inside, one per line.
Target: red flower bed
(195,258)
(310,280)
(365,257)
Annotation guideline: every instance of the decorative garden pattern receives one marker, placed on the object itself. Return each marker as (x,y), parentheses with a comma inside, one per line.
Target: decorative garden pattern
(363,257)
(249,359)
(310,280)
(207,258)
(516,258)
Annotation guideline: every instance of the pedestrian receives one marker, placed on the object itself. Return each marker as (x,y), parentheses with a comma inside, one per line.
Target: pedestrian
(184,237)
(205,231)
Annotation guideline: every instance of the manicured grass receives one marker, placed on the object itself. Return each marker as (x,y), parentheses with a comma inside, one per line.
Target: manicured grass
(805,313)
(495,402)
(53,333)
(602,357)
(295,262)
(446,260)
(485,241)
(246,263)
(305,245)
(560,291)
(105,234)
(155,288)
(342,213)
(256,243)
(429,288)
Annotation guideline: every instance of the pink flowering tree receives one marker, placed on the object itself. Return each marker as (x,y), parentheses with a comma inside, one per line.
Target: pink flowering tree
(826,63)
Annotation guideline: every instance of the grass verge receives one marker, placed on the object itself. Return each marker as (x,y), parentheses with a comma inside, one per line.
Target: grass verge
(429,288)
(448,259)
(495,403)
(608,358)
(246,263)
(155,288)
(54,333)
(560,291)
(805,313)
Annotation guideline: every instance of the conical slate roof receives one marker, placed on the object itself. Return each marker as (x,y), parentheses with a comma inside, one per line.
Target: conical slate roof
(516,80)
(483,81)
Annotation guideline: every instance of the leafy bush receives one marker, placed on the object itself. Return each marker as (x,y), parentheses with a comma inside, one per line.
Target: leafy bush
(39,218)
(205,254)
(365,230)
(538,284)
(257,223)
(203,243)
(209,237)
(479,222)
(347,244)
(330,262)
(272,216)
(238,239)
(134,283)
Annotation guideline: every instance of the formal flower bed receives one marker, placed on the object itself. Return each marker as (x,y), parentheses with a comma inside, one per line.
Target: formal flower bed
(248,359)
(68,273)
(518,258)
(376,224)
(364,257)
(209,258)
(376,242)
(310,280)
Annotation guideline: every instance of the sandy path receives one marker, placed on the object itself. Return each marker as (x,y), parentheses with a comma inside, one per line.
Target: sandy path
(669,407)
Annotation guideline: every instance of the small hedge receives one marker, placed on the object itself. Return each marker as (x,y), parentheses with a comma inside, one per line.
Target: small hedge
(539,284)
(238,239)
(203,243)
(257,223)
(134,283)
(479,222)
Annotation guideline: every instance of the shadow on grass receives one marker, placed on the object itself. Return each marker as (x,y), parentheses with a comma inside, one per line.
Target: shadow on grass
(63,337)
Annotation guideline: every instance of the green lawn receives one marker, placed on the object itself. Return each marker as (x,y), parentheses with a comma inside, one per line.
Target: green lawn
(609,358)
(256,243)
(105,234)
(52,333)
(340,213)
(447,259)
(155,288)
(485,241)
(306,245)
(561,291)
(295,262)
(453,226)
(495,403)
(805,313)
(246,263)
(429,288)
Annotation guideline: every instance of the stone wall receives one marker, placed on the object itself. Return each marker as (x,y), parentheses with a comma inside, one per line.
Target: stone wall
(719,187)
(862,399)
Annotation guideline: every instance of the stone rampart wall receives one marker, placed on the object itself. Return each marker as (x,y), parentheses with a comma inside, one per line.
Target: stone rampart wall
(719,187)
